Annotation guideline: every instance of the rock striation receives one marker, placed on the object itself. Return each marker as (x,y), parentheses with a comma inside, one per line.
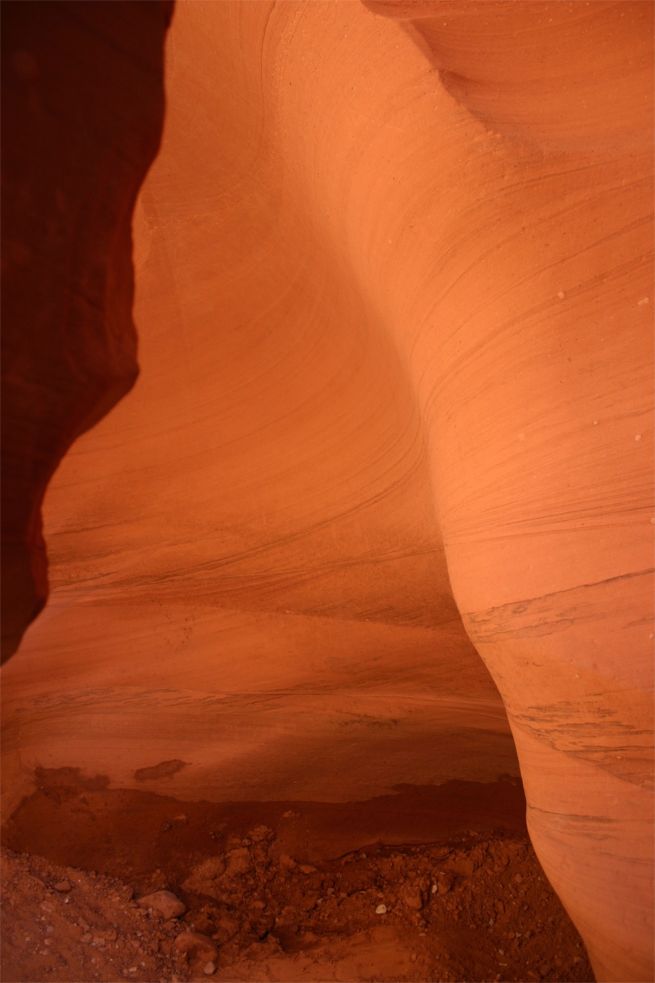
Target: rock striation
(394,301)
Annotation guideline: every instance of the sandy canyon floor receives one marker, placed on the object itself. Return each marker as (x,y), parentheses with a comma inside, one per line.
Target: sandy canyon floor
(280,891)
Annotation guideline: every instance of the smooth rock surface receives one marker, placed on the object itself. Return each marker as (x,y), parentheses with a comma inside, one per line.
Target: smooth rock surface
(72,166)
(394,302)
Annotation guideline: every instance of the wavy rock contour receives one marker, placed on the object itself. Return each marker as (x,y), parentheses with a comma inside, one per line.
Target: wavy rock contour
(394,310)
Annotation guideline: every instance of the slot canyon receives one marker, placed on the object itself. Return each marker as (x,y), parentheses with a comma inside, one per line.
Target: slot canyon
(328,513)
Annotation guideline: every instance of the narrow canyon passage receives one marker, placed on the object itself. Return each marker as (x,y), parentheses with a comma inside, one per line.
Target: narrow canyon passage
(393,414)
(246,550)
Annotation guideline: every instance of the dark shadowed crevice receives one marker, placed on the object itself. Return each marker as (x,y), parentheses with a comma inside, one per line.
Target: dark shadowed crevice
(82,114)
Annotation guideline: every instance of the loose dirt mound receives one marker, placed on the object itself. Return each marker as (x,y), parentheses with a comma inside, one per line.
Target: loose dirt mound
(64,924)
(477,908)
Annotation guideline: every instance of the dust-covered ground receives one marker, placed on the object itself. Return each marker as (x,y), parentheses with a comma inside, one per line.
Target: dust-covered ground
(474,908)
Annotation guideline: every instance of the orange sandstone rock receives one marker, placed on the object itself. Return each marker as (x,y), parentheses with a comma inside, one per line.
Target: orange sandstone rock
(395,307)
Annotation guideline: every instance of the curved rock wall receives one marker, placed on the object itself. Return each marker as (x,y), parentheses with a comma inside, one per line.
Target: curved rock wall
(537,327)
(82,108)
(394,310)
(245,551)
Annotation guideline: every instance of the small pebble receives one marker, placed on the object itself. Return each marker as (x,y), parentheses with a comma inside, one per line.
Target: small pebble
(209,969)
(381,909)
(165,903)
(63,886)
